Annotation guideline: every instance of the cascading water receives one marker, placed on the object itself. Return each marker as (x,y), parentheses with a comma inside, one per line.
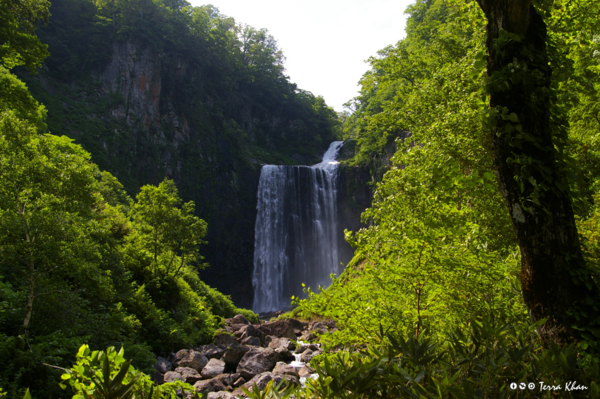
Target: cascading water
(296,232)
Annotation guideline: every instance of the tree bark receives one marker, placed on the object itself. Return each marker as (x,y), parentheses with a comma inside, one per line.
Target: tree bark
(525,161)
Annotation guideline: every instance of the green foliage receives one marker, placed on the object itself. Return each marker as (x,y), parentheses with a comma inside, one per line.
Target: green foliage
(238,87)
(107,375)
(439,257)
(169,234)
(18,43)
(480,364)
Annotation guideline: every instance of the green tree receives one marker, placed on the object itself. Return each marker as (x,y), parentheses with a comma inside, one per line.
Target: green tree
(168,231)
(554,277)
(47,192)
(19,44)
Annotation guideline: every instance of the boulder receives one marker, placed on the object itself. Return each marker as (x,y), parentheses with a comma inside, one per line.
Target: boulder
(220,395)
(275,343)
(188,374)
(224,340)
(157,378)
(279,329)
(163,365)
(239,382)
(321,327)
(213,385)
(256,361)
(305,371)
(237,327)
(252,331)
(307,336)
(285,369)
(212,351)
(171,376)
(285,354)
(213,368)
(234,354)
(252,341)
(308,354)
(296,324)
(261,380)
(239,319)
(300,349)
(191,358)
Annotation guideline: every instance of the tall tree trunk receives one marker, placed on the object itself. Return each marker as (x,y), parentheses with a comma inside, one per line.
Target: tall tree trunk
(525,160)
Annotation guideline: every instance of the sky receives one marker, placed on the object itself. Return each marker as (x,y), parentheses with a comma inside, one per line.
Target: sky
(326,42)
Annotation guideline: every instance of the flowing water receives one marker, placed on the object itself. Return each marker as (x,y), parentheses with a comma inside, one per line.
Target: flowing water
(296,231)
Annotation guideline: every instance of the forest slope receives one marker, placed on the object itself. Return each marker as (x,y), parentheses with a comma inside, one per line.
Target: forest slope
(156,90)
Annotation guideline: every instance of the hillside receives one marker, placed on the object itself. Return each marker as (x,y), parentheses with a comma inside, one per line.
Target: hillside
(156,90)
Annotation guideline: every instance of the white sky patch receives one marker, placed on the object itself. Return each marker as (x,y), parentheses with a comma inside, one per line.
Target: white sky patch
(326,42)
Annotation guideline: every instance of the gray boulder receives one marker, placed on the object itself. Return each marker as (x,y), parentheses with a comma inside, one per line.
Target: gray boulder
(212,351)
(163,365)
(224,340)
(213,368)
(171,376)
(220,395)
(279,329)
(213,385)
(275,343)
(256,361)
(234,354)
(308,354)
(285,369)
(261,381)
(252,331)
(239,319)
(285,354)
(240,381)
(252,341)
(191,358)
(188,374)
(305,371)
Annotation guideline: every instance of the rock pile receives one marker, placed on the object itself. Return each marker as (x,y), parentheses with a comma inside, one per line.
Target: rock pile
(243,355)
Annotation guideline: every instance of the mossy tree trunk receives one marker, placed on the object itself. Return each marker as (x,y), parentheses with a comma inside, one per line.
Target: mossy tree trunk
(553,270)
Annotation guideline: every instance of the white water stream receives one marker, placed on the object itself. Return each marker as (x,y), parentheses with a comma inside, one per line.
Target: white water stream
(296,231)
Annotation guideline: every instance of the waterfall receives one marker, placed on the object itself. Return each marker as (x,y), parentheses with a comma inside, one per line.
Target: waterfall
(296,231)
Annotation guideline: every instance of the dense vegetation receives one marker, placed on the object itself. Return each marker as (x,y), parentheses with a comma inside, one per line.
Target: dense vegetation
(156,89)
(433,292)
(223,76)
(80,260)
(430,306)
